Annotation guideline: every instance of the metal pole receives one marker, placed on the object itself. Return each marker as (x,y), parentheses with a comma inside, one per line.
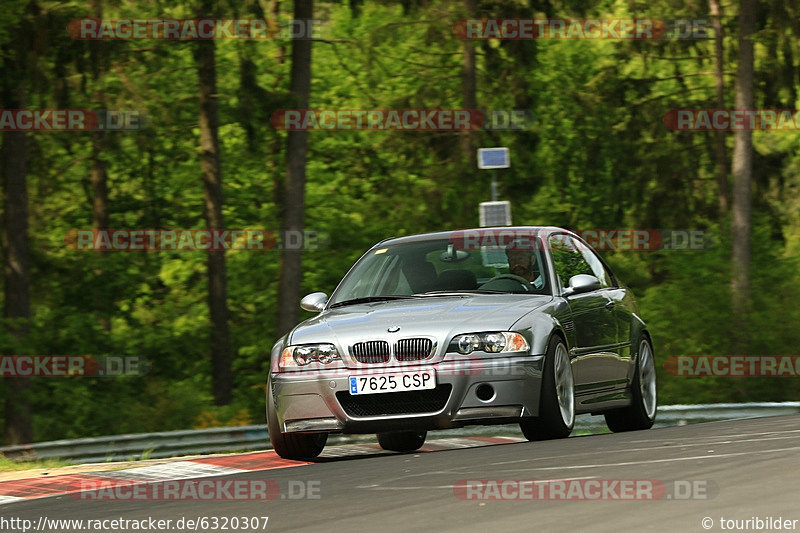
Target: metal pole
(494,185)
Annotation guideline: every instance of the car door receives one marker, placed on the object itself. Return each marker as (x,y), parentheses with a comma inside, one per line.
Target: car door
(618,303)
(593,359)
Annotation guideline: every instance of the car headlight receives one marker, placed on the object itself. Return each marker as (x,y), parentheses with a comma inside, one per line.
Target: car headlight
(467,343)
(298,357)
(491,342)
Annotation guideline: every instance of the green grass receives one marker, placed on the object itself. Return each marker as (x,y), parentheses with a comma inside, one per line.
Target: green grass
(7,465)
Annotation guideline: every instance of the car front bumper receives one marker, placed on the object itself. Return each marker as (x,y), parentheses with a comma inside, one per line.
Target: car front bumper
(478,391)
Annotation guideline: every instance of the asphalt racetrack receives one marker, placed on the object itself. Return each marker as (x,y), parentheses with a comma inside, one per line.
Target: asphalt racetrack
(668,479)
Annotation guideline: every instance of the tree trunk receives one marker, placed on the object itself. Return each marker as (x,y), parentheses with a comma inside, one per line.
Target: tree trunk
(99,182)
(721,152)
(16,248)
(99,176)
(470,86)
(221,374)
(294,186)
(742,177)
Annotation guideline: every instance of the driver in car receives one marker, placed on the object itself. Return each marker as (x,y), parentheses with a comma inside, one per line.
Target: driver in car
(523,264)
(520,263)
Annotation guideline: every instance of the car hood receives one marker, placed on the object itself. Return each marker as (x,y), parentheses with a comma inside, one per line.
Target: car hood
(438,317)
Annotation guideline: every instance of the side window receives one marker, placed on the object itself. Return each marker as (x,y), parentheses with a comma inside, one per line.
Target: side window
(598,269)
(568,259)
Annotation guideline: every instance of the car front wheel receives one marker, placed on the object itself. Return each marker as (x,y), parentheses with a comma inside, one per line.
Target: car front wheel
(291,445)
(557,408)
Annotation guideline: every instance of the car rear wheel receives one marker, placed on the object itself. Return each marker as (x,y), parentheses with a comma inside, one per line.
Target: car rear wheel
(402,441)
(642,412)
(557,407)
(291,445)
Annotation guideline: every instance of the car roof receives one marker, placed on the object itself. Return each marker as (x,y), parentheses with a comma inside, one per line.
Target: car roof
(528,230)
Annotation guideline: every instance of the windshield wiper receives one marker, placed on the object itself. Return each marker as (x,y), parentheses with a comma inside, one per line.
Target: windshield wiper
(367,299)
(464,291)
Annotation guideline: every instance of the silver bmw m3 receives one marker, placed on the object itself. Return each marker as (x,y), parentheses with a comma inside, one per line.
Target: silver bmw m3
(505,325)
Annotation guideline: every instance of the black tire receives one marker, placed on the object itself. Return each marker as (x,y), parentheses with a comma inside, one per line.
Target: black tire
(291,445)
(402,441)
(636,416)
(550,424)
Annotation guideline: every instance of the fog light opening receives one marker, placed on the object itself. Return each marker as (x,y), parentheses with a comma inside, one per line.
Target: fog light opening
(485,392)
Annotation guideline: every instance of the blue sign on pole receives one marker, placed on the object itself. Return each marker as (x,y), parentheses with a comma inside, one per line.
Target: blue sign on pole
(493,158)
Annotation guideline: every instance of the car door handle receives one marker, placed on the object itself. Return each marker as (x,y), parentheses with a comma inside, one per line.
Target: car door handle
(610,305)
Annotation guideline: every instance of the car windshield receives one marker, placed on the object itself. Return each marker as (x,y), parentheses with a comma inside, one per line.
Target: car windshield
(431,267)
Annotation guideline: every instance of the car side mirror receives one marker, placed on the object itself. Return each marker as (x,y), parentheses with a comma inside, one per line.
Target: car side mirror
(314,302)
(580,284)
